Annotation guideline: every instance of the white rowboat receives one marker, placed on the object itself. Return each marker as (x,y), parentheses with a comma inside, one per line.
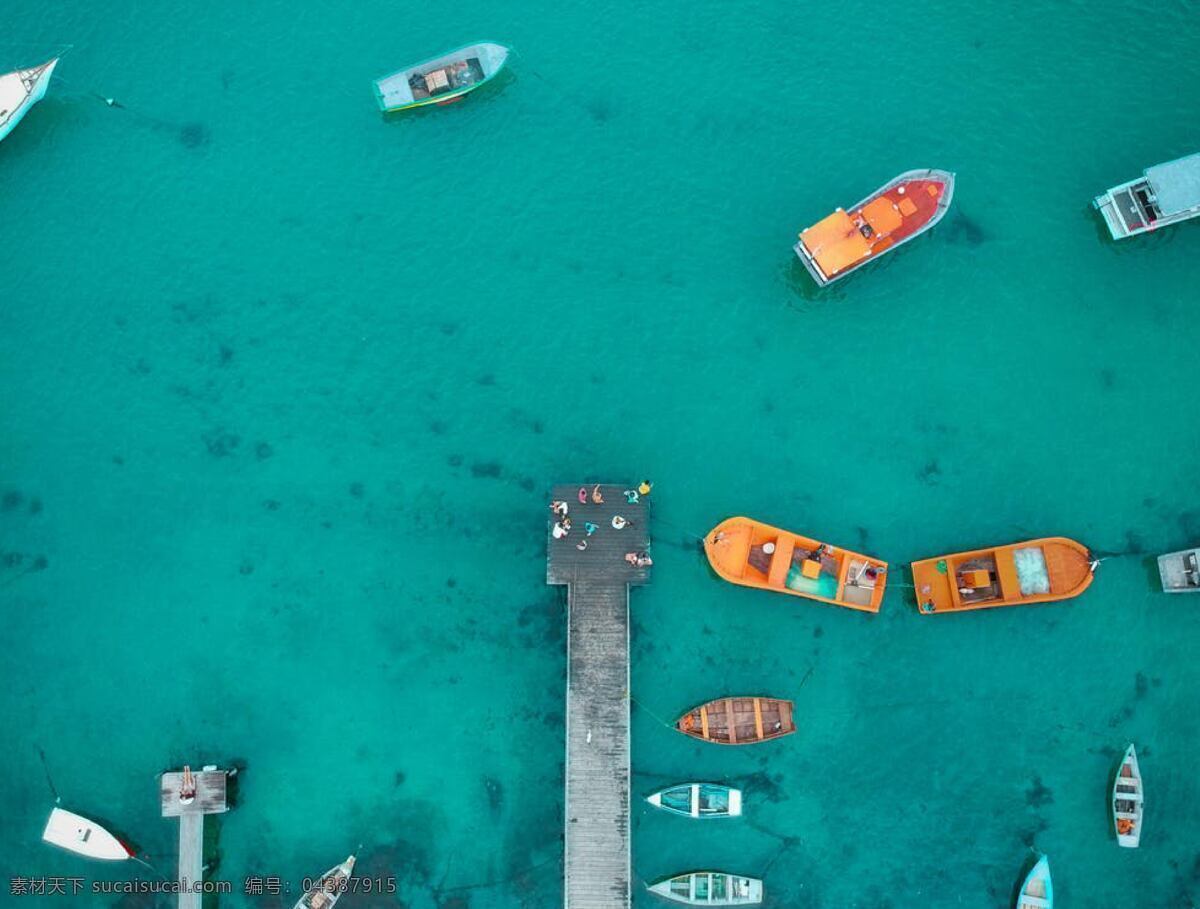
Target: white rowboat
(77,833)
(329,889)
(1127,801)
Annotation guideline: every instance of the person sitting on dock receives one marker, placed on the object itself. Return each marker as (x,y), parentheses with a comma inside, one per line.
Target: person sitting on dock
(644,487)
(559,508)
(187,787)
(619,523)
(590,528)
(561,529)
(597,498)
(631,496)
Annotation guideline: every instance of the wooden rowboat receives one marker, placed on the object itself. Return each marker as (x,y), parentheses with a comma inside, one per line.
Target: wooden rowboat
(1127,801)
(738,721)
(1036,571)
(77,833)
(710,888)
(753,554)
(20,90)
(699,800)
(441,80)
(328,888)
(1036,891)
(900,210)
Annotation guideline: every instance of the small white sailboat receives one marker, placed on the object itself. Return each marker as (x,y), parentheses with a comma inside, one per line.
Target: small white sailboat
(20,90)
(710,888)
(329,888)
(1036,891)
(699,800)
(1127,801)
(77,833)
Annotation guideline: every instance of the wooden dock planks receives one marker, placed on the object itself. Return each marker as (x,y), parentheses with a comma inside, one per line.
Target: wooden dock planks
(596,863)
(191,858)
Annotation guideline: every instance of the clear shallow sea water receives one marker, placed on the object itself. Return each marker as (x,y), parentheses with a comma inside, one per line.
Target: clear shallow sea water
(284,384)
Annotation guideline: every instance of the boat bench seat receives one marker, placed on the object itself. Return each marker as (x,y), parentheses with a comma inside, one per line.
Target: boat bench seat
(781,561)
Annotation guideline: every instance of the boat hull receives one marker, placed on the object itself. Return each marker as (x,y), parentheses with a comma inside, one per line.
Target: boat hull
(739,720)
(899,211)
(1018,574)
(40,77)
(329,887)
(709,888)
(1180,571)
(753,554)
(1137,206)
(80,835)
(1037,890)
(1127,801)
(393,95)
(700,801)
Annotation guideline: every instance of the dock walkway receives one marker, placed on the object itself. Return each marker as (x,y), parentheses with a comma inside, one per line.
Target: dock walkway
(596,858)
(210,798)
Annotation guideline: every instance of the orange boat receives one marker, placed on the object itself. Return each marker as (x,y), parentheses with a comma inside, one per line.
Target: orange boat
(1036,571)
(738,721)
(891,216)
(753,554)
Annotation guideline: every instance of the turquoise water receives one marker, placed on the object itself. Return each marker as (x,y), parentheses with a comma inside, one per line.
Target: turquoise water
(285,383)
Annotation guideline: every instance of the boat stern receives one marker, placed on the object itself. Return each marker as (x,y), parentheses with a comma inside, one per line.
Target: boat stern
(932,585)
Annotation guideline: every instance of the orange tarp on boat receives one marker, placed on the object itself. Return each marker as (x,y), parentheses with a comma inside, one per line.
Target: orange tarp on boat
(1036,571)
(753,554)
(836,242)
(883,215)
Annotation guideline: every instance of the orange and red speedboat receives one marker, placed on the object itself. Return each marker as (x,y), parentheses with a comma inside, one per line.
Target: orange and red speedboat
(902,209)
(754,554)
(1036,571)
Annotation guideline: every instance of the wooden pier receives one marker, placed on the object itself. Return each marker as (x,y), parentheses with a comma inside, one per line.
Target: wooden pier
(210,798)
(596,863)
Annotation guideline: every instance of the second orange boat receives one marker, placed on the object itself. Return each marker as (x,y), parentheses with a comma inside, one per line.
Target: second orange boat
(899,211)
(754,554)
(1036,571)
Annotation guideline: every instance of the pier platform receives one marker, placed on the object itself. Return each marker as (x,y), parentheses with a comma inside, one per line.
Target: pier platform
(596,858)
(210,798)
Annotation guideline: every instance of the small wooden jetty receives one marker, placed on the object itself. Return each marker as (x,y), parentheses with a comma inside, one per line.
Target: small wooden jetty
(208,797)
(596,862)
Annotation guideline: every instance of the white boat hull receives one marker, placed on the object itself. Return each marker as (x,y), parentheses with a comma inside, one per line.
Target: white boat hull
(324,896)
(1127,805)
(1037,891)
(78,834)
(19,91)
